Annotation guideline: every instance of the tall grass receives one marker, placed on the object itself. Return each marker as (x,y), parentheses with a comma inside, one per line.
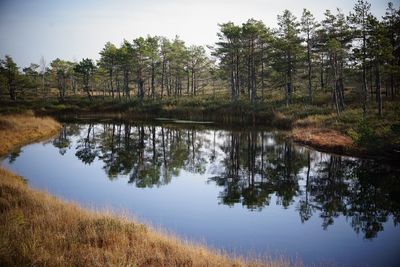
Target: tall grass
(38,229)
(19,129)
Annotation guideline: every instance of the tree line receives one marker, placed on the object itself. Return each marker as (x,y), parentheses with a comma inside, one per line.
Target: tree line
(300,56)
(310,55)
(155,66)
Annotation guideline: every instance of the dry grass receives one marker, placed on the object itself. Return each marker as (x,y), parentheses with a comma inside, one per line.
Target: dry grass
(325,139)
(312,121)
(37,229)
(18,130)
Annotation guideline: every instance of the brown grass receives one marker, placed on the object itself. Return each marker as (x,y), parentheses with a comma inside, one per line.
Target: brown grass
(37,229)
(325,139)
(18,130)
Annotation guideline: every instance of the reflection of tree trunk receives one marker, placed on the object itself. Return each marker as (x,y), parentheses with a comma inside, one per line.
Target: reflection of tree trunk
(308,174)
(154,143)
(127,137)
(141,147)
(163,148)
(213,156)
(262,156)
(248,157)
(87,143)
(288,160)
(253,155)
(119,136)
(235,155)
(333,167)
(112,143)
(193,153)
(188,141)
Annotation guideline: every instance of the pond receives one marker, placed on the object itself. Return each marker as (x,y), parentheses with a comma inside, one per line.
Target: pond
(248,192)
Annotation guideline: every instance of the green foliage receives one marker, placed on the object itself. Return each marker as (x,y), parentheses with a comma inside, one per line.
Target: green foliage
(85,69)
(364,134)
(10,75)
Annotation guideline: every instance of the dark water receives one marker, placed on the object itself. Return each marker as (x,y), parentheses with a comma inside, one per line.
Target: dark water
(249,192)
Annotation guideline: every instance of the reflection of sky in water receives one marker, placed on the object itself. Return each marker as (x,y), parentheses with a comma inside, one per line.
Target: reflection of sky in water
(187,197)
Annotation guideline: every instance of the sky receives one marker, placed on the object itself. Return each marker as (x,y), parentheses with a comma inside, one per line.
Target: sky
(74,29)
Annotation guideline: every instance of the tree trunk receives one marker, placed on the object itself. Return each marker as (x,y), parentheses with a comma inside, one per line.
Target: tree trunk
(111,82)
(378,89)
(364,76)
(233,86)
(253,75)
(262,72)
(335,84)
(162,78)
(309,68)
(153,87)
(126,84)
(237,80)
(188,82)
(289,80)
(322,72)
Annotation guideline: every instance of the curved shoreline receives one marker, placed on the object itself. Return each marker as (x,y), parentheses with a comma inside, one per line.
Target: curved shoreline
(39,229)
(327,140)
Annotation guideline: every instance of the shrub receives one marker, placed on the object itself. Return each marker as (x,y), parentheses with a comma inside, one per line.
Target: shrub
(364,134)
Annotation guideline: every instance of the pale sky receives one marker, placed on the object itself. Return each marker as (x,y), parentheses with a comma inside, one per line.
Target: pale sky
(75,29)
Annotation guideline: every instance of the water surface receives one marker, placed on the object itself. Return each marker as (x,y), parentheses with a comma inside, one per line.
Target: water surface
(249,192)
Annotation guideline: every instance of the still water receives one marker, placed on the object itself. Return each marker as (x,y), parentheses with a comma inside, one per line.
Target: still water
(248,192)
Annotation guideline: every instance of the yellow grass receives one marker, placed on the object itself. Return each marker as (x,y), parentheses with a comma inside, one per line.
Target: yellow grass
(18,130)
(37,229)
(326,139)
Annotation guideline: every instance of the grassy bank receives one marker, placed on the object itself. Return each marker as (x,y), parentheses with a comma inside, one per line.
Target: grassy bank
(38,229)
(218,109)
(312,124)
(19,129)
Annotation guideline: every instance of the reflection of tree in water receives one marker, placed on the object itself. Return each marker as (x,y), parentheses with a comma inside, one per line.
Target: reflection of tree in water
(148,155)
(14,155)
(63,140)
(374,196)
(305,207)
(86,149)
(252,167)
(365,191)
(256,165)
(329,189)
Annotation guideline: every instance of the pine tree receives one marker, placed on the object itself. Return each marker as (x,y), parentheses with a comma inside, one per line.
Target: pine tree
(309,27)
(289,44)
(359,20)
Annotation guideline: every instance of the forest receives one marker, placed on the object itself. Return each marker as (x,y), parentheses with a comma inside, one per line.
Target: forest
(344,64)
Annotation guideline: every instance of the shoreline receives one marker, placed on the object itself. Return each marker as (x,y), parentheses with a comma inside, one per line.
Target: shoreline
(372,136)
(321,138)
(312,126)
(41,229)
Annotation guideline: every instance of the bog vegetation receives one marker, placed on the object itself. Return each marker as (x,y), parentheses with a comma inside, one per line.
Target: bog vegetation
(342,72)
